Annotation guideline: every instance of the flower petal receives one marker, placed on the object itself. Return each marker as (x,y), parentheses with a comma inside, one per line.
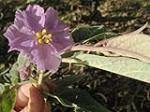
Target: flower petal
(45,58)
(60,27)
(33,18)
(19,39)
(51,18)
(62,41)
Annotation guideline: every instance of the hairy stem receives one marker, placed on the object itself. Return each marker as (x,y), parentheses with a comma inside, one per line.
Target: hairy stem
(40,77)
(112,51)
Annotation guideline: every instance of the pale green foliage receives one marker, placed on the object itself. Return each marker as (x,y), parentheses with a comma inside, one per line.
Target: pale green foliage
(7,100)
(127,67)
(133,45)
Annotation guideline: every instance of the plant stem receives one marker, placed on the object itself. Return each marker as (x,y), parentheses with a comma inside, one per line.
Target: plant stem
(115,52)
(40,77)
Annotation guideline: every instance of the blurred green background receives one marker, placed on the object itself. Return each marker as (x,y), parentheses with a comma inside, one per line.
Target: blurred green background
(117,93)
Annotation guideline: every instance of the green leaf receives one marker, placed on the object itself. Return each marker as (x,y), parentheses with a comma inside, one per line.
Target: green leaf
(7,100)
(124,66)
(69,80)
(14,74)
(86,32)
(22,61)
(133,45)
(79,100)
(82,99)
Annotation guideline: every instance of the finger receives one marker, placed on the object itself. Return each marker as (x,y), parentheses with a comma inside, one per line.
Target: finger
(25,89)
(25,109)
(22,96)
(36,101)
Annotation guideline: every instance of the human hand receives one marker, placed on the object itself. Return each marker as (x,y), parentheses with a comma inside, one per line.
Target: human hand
(29,99)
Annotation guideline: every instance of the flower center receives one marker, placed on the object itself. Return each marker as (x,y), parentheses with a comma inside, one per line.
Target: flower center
(43,37)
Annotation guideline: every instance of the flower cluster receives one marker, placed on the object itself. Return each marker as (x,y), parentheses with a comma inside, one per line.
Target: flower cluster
(39,35)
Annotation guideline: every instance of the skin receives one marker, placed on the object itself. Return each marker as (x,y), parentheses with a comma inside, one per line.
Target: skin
(29,99)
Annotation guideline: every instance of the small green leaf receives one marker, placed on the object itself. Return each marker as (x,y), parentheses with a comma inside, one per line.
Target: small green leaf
(14,74)
(8,100)
(22,61)
(124,66)
(86,32)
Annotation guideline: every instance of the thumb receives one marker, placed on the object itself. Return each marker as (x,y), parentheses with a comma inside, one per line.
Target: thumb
(36,101)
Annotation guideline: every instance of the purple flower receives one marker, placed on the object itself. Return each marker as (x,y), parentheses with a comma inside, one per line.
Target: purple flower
(39,35)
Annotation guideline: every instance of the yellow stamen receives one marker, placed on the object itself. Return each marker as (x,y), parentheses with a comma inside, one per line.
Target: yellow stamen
(40,41)
(44,31)
(49,36)
(46,41)
(38,34)
(44,37)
